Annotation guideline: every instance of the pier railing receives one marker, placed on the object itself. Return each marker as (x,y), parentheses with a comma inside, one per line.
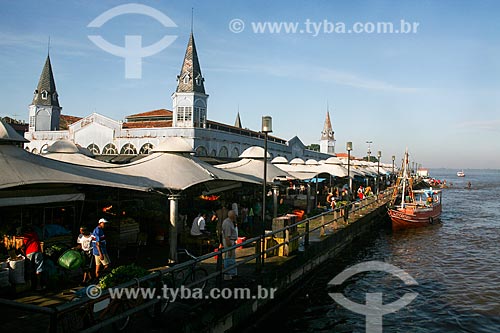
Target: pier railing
(72,315)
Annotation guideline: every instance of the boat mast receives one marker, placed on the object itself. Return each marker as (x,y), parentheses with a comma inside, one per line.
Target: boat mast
(404,179)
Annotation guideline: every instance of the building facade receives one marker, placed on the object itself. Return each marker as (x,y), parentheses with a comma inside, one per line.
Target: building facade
(140,133)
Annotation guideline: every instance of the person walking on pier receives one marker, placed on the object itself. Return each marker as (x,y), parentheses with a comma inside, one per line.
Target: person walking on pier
(229,237)
(99,247)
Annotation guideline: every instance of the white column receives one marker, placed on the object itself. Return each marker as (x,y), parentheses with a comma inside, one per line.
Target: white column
(174,207)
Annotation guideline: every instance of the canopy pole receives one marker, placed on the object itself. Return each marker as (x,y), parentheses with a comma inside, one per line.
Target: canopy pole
(275,200)
(174,208)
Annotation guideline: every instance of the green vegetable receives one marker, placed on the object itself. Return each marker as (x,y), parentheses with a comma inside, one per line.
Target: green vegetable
(122,274)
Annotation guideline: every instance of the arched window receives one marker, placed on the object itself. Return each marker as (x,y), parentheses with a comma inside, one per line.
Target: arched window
(94,149)
(43,150)
(223,152)
(34,151)
(110,149)
(44,94)
(235,153)
(201,151)
(213,153)
(146,149)
(128,149)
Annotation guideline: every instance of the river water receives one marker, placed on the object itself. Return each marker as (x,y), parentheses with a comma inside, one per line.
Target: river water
(456,265)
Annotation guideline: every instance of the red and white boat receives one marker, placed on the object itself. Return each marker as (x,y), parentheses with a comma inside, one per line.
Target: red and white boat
(413,208)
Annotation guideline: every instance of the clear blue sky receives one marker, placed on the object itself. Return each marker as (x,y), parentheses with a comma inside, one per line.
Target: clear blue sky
(435,91)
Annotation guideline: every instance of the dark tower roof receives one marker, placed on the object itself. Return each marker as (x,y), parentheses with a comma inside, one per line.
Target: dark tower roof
(190,78)
(48,84)
(237,123)
(327,133)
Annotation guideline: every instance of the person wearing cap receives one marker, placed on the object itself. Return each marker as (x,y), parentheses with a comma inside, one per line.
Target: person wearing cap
(99,247)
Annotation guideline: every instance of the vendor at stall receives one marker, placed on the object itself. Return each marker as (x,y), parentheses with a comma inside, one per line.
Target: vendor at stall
(33,251)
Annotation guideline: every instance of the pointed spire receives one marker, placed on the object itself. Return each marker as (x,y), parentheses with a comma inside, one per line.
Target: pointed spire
(327,133)
(45,93)
(190,78)
(237,123)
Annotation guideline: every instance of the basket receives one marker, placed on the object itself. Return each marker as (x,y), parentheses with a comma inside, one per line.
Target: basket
(71,259)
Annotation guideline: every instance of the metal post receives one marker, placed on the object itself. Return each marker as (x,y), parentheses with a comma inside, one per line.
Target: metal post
(264,180)
(174,204)
(267,127)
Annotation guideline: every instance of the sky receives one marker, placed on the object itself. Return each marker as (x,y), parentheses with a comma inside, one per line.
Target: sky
(433,89)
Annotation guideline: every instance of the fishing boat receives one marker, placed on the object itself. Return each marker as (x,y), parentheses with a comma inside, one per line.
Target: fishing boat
(461,173)
(411,208)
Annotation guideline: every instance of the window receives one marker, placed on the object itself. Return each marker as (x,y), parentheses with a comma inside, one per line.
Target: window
(199,79)
(44,94)
(185,79)
(146,149)
(109,149)
(184,113)
(201,151)
(94,149)
(235,153)
(223,152)
(128,149)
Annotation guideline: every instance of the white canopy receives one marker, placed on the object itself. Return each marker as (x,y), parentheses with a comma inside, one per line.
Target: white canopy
(173,166)
(254,167)
(20,167)
(67,151)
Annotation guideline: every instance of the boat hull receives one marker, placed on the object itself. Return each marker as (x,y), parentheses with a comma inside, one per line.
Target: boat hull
(407,218)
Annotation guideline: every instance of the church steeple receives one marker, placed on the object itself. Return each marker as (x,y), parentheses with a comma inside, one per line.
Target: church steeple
(327,143)
(189,99)
(327,133)
(45,93)
(45,111)
(237,123)
(190,79)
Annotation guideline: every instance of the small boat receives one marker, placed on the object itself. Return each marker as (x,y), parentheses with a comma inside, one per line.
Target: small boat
(461,173)
(411,208)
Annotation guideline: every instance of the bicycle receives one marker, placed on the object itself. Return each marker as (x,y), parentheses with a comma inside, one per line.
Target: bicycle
(187,277)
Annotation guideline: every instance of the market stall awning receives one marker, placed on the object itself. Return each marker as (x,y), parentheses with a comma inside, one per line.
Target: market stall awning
(172,166)
(19,167)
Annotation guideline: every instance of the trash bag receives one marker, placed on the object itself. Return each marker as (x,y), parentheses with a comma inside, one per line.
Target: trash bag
(71,259)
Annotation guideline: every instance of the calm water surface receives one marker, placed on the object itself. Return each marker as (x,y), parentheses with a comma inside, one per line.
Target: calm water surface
(456,265)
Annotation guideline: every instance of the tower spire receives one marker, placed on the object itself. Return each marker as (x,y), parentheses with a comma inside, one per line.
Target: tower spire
(45,93)
(327,142)
(190,79)
(327,133)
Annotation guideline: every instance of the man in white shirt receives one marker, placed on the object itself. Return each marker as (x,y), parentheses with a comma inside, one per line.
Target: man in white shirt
(198,227)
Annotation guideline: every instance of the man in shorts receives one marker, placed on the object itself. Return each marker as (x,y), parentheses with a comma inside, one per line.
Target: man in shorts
(99,247)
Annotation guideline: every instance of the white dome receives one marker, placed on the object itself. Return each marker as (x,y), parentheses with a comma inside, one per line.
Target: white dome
(333,160)
(279,160)
(297,161)
(312,162)
(63,146)
(174,145)
(254,152)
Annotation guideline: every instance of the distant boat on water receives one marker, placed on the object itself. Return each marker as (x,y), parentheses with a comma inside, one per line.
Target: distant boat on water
(461,173)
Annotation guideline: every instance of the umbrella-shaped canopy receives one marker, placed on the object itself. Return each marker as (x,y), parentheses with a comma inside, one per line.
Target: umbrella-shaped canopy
(172,165)
(20,167)
(253,165)
(8,134)
(67,151)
